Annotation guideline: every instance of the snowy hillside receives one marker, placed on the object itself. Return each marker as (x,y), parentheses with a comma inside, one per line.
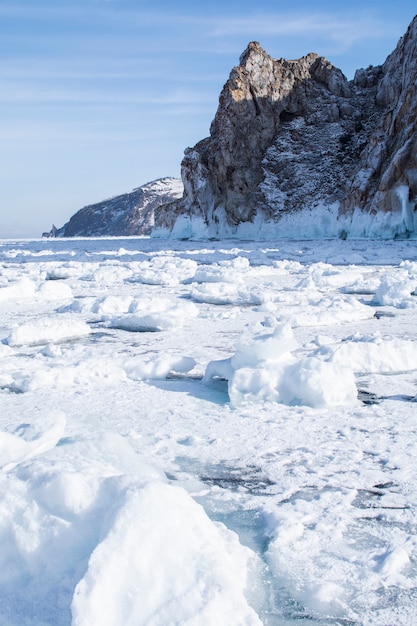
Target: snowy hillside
(210,434)
(128,214)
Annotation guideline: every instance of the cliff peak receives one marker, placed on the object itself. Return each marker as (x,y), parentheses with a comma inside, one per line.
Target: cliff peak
(253,49)
(296,135)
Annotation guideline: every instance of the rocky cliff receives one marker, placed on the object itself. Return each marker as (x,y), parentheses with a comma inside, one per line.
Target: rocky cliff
(128,214)
(296,143)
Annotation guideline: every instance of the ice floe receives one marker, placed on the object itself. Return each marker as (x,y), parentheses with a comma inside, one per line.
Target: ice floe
(154,315)
(45,331)
(264,368)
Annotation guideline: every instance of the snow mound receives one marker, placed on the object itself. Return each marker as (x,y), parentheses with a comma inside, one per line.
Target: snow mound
(231,271)
(158,368)
(23,288)
(154,315)
(111,305)
(55,290)
(52,519)
(105,534)
(163,557)
(264,368)
(397,293)
(226,294)
(161,270)
(374,354)
(45,331)
(325,275)
(410,267)
(324,311)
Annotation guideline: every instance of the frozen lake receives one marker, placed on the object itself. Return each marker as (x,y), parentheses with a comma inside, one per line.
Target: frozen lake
(208,433)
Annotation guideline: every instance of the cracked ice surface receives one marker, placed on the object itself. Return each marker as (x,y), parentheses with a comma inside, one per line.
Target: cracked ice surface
(208,433)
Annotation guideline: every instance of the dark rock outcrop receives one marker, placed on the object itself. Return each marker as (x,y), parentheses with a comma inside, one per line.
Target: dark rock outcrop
(296,136)
(125,215)
(385,179)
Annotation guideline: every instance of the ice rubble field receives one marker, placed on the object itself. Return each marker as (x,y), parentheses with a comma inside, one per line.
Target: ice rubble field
(218,433)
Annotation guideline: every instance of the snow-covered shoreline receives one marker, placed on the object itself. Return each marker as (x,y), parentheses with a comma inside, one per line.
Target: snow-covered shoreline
(207,433)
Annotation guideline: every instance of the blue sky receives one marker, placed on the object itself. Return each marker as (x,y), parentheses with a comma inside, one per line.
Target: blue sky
(100,96)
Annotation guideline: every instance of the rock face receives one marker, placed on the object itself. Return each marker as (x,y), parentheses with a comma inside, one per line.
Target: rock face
(296,136)
(129,214)
(385,179)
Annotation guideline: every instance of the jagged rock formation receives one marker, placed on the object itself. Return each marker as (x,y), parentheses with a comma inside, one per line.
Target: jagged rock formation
(296,136)
(125,215)
(386,176)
